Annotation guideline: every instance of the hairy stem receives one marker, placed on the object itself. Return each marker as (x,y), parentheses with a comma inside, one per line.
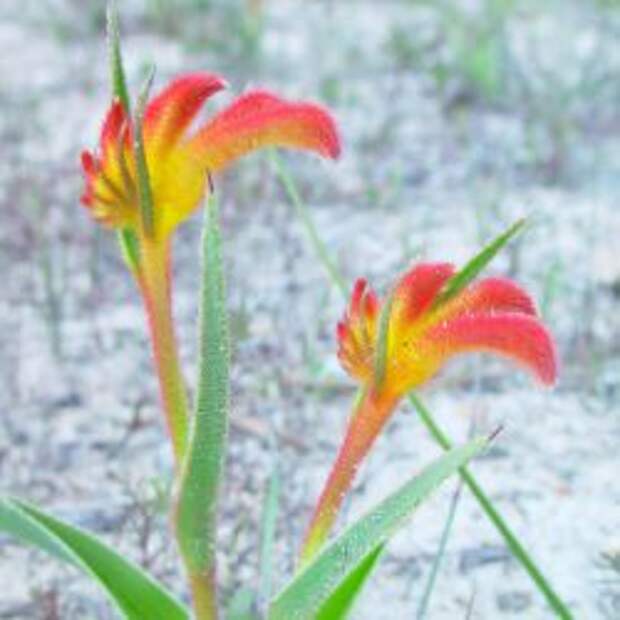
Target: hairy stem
(154,282)
(369,416)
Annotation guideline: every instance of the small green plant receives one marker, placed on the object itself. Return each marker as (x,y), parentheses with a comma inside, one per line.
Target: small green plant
(149,174)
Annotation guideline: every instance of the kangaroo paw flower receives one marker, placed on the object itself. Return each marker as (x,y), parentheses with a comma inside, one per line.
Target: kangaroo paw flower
(492,315)
(178,159)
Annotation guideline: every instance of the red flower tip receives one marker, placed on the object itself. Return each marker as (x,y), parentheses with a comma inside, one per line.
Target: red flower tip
(258,119)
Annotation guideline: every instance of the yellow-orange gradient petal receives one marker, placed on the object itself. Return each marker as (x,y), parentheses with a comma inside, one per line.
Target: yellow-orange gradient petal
(259,119)
(356,332)
(170,113)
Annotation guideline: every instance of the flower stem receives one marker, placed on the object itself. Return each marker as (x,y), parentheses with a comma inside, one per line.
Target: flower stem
(204,596)
(370,414)
(154,281)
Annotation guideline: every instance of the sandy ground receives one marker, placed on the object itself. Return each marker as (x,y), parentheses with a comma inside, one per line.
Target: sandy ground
(425,174)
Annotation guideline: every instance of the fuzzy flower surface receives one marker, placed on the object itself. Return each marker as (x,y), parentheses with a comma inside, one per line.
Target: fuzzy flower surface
(178,157)
(395,345)
(492,315)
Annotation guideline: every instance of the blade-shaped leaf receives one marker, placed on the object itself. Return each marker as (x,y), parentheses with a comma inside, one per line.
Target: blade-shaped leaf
(382,344)
(134,592)
(204,462)
(145,191)
(305,594)
(117,70)
(340,604)
(271,507)
(126,237)
(473,268)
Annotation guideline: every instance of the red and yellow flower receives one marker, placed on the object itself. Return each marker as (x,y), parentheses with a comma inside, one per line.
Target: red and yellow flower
(178,163)
(421,335)
(178,160)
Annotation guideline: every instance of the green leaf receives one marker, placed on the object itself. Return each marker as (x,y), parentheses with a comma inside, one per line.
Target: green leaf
(203,464)
(241,607)
(126,237)
(271,508)
(383,334)
(517,549)
(130,248)
(302,212)
(135,593)
(340,604)
(145,192)
(117,71)
(473,268)
(308,591)
(439,555)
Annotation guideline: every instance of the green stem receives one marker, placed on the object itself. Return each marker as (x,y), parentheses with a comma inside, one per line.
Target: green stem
(154,281)
(487,505)
(204,597)
(300,209)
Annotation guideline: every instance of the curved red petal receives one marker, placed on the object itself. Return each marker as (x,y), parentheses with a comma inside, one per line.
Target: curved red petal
(114,122)
(169,114)
(418,288)
(496,294)
(356,331)
(519,337)
(258,119)
(89,163)
(359,288)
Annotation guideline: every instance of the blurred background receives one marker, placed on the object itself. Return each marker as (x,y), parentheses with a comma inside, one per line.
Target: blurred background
(457,118)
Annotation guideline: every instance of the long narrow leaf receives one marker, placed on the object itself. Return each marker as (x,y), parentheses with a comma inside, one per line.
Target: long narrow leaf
(474,267)
(203,465)
(340,604)
(145,192)
(126,237)
(271,507)
(517,549)
(135,593)
(309,590)
(117,70)
(300,208)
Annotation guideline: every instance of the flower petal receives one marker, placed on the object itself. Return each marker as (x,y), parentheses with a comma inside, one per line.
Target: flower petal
(491,295)
(115,122)
(356,333)
(417,290)
(519,337)
(169,114)
(259,119)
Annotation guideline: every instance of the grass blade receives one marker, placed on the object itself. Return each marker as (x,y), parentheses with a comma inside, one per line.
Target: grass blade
(309,590)
(340,604)
(136,594)
(271,509)
(203,465)
(475,266)
(517,549)
(443,543)
(302,212)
